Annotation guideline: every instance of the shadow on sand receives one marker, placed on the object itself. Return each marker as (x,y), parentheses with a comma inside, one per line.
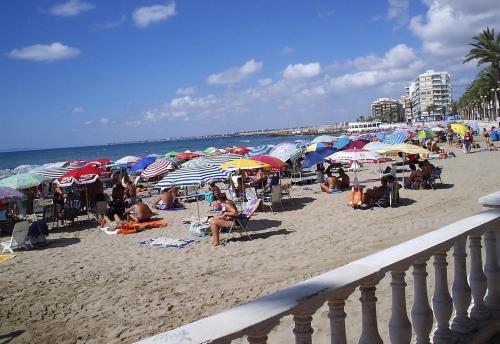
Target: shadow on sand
(8,337)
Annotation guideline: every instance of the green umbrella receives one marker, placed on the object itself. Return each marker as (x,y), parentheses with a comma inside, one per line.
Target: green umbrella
(172,154)
(425,134)
(209,150)
(23,180)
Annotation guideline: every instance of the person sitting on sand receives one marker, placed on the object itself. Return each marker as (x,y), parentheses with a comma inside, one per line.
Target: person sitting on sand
(415,178)
(139,212)
(372,195)
(167,199)
(335,184)
(224,219)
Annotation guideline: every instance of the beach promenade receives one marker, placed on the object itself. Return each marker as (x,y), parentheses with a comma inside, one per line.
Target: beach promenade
(88,287)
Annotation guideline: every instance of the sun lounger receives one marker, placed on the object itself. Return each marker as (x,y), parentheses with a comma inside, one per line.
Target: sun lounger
(18,238)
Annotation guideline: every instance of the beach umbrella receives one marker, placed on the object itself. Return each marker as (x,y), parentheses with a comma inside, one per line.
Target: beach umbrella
(314,158)
(157,168)
(6,173)
(259,150)
(209,150)
(324,138)
(286,151)
(375,145)
(317,146)
(218,160)
(355,155)
(380,136)
(275,163)
(53,172)
(24,168)
(342,142)
(396,137)
(239,150)
(172,154)
(127,160)
(100,162)
(437,129)
(142,164)
(217,151)
(23,180)
(357,144)
(244,164)
(8,194)
(458,128)
(82,175)
(403,148)
(424,134)
(187,155)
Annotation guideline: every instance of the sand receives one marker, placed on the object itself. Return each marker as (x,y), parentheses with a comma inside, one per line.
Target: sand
(89,287)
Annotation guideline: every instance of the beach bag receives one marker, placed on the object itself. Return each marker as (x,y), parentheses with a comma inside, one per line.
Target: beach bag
(199,229)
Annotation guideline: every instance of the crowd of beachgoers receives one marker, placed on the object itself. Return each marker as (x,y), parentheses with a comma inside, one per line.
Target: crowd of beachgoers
(97,210)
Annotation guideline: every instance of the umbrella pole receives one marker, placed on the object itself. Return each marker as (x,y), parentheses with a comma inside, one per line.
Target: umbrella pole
(197,204)
(87,201)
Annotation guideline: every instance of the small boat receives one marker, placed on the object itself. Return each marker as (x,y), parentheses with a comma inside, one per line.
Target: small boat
(245,141)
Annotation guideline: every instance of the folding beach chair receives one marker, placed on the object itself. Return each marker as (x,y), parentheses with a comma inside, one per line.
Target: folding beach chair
(72,210)
(273,198)
(243,220)
(18,238)
(435,175)
(49,214)
(38,205)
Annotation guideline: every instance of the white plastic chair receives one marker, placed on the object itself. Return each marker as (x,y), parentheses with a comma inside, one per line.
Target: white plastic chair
(19,237)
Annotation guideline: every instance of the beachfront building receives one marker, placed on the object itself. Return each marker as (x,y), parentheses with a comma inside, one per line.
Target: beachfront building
(387,110)
(358,127)
(430,95)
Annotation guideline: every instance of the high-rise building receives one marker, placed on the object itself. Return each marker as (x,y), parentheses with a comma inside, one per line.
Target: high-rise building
(430,92)
(387,110)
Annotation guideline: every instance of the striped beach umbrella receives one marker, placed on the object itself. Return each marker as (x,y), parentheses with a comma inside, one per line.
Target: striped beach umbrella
(83,175)
(375,146)
(157,168)
(53,173)
(142,164)
(396,138)
(193,176)
(259,150)
(286,151)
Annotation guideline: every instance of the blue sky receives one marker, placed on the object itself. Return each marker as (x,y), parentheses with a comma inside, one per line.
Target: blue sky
(85,72)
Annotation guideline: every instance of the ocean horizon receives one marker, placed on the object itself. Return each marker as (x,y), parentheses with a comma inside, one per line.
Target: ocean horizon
(12,159)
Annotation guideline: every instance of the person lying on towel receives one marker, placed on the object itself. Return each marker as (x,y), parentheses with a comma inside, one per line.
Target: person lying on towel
(139,212)
(167,199)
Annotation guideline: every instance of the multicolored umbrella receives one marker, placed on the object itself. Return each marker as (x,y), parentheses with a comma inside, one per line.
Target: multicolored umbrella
(157,168)
(275,163)
(8,194)
(244,164)
(23,180)
(317,146)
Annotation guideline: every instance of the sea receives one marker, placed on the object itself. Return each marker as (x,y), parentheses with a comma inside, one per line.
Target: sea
(10,160)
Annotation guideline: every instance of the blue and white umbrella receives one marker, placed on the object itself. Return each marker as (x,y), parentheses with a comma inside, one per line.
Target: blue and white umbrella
(324,138)
(342,143)
(194,176)
(396,138)
(259,150)
(142,164)
(286,151)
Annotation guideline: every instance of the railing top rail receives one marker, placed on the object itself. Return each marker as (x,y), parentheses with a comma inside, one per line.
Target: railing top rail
(237,319)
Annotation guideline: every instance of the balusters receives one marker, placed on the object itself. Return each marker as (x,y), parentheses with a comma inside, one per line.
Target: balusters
(441,300)
(492,272)
(337,317)
(369,331)
(477,279)
(421,313)
(399,325)
(258,334)
(460,290)
(303,331)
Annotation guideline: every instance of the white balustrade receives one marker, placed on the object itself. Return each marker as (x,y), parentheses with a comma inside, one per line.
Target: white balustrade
(441,300)
(460,290)
(256,319)
(399,324)
(421,313)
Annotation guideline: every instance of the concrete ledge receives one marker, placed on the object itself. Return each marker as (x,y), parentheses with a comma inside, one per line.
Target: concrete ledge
(491,200)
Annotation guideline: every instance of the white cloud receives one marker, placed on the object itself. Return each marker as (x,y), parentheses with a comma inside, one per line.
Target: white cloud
(110,24)
(185,91)
(44,52)
(399,11)
(448,26)
(87,122)
(265,81)
(235,74)
(146,15)
(77,110)
(397,56)
(104,120)
(287,50)
(71,8)
(300,71)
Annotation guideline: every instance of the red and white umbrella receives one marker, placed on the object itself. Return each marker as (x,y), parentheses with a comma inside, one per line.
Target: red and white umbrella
(127,160)
(157,168)
(355,155)
(83,175)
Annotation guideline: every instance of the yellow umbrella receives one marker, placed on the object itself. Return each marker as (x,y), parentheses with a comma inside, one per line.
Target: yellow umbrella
(403,148)
(458,128)
(244,164)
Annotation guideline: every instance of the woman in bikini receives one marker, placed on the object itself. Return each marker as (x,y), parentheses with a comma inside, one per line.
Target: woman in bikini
(224,219)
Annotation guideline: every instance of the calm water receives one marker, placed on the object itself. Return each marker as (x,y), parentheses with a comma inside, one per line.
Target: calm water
(114,152)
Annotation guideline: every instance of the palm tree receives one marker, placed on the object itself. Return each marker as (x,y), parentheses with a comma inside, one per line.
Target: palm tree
(361,119)
(430,109)
(486,49)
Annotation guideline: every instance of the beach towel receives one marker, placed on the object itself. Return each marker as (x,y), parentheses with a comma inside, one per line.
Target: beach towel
(199,229)
(4,257)
(134,227)
(167,242)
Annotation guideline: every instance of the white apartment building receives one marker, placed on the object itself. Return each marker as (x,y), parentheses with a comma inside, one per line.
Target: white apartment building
(429,88)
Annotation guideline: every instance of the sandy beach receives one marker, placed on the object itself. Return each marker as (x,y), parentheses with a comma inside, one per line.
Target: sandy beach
(89,287)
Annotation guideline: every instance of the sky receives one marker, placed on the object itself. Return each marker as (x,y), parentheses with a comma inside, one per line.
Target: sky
(86,72)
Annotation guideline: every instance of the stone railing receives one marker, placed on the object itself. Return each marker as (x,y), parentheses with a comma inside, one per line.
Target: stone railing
(476,299)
